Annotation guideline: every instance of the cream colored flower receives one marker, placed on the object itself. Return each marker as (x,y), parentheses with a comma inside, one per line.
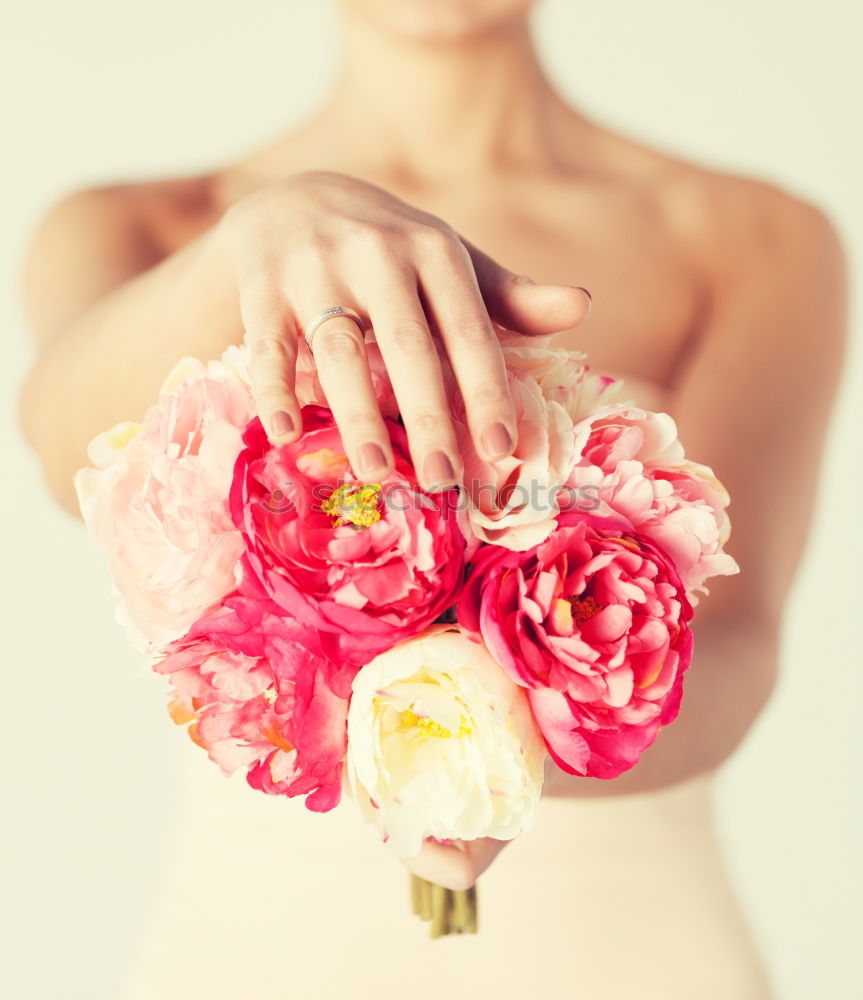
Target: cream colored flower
(512,501)
(441,743)
(563,375)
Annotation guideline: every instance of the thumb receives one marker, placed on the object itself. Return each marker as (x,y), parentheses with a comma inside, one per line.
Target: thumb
(518,303)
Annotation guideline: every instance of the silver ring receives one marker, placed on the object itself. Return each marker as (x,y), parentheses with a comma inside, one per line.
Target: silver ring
(322,317)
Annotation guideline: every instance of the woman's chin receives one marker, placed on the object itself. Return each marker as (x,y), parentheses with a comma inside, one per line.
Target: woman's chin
(439,20)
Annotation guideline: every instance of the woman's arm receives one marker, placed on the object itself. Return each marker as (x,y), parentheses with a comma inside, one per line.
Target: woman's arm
(753,400)
(110,318)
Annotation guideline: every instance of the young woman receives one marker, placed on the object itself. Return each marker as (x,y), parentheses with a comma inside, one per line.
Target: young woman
(443,185)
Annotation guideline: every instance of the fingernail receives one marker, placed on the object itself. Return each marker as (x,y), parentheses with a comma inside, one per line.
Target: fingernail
(371,456)
(438,470)
(281,422)
(581,288)
(496,441)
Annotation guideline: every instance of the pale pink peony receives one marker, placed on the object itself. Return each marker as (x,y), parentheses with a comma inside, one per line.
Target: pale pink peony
(263,693)
(621,432)
(594,623)
(691,523)
(156,499)
(632,465)
(371,564)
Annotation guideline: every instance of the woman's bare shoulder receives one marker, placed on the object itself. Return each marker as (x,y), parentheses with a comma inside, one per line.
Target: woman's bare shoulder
(92,239)
(732,217)
(721,216)
(136,202)
(171,210)
(157,215)
(757,239)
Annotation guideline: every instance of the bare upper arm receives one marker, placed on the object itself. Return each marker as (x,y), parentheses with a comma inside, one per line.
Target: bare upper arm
(86,244)
(754,396)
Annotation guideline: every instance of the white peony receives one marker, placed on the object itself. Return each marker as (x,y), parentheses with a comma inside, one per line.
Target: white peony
(441,743)
(563,375)
(513,501)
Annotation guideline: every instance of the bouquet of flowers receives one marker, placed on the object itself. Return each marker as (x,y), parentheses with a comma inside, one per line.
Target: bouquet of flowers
(420,653)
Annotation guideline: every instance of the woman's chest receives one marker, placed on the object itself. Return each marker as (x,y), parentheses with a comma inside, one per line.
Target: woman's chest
(647,288)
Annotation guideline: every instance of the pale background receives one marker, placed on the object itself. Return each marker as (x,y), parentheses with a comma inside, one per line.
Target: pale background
(97,91)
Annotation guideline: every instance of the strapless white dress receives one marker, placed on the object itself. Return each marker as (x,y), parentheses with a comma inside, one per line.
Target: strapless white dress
(603,898)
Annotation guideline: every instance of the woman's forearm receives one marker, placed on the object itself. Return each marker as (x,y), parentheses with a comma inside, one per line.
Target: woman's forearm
(108,363)
(730,680)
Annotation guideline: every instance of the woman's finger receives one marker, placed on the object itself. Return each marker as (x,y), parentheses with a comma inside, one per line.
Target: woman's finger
(518,303)
(412,361)
(338,347)
(453,298)
(448,865)
(483,851)
(457,864)
(272,338)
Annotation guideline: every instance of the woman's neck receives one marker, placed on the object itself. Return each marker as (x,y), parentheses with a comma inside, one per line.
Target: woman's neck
(432,110)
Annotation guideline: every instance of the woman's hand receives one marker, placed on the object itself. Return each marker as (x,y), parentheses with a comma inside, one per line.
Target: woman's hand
(317,240)
(454,864)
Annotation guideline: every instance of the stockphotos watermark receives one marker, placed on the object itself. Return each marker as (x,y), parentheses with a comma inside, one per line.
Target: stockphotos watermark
(399,497)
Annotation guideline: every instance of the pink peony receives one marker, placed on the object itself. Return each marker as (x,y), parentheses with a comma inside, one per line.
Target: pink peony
(369,563)
(262,692)
(156,499)
(632,465)
(594,623)
(691,523)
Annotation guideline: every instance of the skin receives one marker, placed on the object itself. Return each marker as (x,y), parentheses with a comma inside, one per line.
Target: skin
(720,298)
(416,276)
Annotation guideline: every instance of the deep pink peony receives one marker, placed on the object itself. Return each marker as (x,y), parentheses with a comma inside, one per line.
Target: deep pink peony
(263,692)
(594,623)
(369,563)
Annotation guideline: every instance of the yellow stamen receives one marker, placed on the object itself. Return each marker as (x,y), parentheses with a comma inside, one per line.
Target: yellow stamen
(354,504)
(626,542)
(408,719)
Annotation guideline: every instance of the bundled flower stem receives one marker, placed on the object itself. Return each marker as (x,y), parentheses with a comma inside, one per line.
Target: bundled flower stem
(450,911)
